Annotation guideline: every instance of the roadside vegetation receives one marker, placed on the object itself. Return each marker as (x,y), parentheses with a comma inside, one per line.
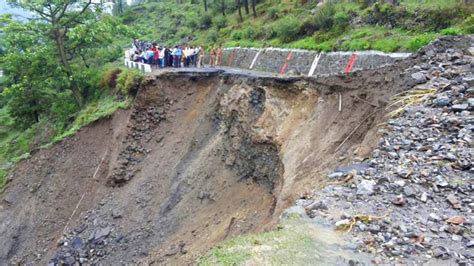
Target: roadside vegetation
(335,25)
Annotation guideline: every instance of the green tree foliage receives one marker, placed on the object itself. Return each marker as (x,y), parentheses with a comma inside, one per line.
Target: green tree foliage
(55,55)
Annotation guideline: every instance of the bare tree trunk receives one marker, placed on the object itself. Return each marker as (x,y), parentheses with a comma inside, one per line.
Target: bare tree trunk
(205,5)
(239,6)
(223,7)
(59,38)
(254,11)
(246,5)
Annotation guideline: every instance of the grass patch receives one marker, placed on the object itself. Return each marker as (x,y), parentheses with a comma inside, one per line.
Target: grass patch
(430,4)
(292,241)
(15,144)
(94,111)
(3,180)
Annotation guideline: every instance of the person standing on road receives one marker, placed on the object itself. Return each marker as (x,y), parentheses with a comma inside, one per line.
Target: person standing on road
(200,55)
(213,56)
(161,57)
(219,55)
(175,57)
(167,57)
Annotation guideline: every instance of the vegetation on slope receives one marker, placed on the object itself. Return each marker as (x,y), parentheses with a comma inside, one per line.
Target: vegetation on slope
(60,73)
(334,25)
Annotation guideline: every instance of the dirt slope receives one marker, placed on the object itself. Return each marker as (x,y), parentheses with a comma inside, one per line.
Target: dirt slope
(199,158)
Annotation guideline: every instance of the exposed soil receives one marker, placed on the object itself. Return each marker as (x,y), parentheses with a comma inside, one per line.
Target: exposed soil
(199,158)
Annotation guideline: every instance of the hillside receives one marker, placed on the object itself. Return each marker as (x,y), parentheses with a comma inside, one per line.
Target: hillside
(204,165)
(333,25)
(270,157)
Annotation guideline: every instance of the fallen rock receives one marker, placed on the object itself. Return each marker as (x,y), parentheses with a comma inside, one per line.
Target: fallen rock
(440,252)
(117,214)
(424,197)
(419,77)
(453,201)
(366,187)
(456,220)
(459,107)
(359,168)
(442,101)
(434,217)
(342,224)
(100,233)
(399,200)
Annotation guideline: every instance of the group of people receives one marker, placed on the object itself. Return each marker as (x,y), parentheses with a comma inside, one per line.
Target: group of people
(160,57)
(178,56)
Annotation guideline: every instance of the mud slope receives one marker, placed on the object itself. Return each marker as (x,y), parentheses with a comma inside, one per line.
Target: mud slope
(199,158)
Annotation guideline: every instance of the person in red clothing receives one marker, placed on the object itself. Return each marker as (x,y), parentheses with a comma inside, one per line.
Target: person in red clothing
(156,55)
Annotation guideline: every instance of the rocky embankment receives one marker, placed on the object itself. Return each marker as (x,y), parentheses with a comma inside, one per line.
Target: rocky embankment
(412,200)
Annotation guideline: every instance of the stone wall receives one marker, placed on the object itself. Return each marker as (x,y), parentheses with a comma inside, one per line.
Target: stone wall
(304,62)
(296,61)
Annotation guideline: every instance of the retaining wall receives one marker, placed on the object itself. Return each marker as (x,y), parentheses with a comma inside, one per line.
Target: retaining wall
(296,61)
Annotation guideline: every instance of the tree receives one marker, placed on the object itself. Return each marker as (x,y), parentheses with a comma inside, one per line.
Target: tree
(246,5)
(223,7)
(56,53)
(205,5)
(239,6)
(254,11)
(60,17)
(31,71)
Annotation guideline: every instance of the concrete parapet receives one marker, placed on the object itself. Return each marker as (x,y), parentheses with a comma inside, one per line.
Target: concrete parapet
(140,66)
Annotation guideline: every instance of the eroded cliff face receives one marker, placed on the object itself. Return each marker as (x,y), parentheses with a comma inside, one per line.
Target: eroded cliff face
(199,158)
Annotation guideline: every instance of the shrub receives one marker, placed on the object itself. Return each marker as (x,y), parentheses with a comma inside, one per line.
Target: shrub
(419,41)
(384,15)
(341,20)
(387,45)
(287,29)
(324,17)
(236,35)
(322,20)
(184,32)
(109,78)
(451,31)
(249,33)
(192,24)
(436,19)
(354,45)
(128,81)
(205,22)
(212,36)
(468,25)
(272,13)
(220,22)
(366,3)
(305,43)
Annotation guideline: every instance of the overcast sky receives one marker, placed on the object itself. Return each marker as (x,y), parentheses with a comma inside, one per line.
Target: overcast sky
(5,8)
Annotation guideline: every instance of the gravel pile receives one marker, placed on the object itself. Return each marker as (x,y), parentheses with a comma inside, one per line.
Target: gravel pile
(412,201)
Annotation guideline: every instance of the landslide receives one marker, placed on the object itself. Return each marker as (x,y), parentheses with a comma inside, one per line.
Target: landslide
(199,158)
